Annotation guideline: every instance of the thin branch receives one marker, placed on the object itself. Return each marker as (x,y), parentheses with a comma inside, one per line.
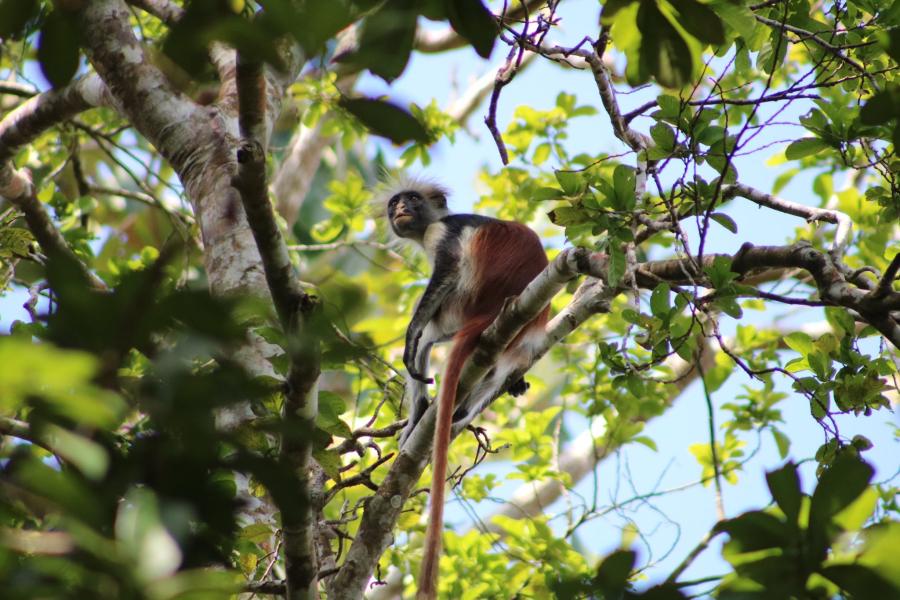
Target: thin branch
(21,430)
(714,452)
(294,307)
(692,555)
(834,50)
(886,283)
(14,88)
(845,224)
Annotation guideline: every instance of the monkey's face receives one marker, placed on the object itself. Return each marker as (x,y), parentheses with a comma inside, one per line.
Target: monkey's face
(408,213)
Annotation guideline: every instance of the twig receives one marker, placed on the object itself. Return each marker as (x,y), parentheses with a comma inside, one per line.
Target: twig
(886,283)
(693,554)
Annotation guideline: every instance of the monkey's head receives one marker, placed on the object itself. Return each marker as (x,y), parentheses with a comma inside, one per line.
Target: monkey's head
(412,208)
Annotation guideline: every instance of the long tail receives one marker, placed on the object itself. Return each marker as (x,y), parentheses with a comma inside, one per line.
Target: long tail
(463,344)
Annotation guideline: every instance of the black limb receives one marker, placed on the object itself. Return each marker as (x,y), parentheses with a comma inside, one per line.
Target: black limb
(518,387)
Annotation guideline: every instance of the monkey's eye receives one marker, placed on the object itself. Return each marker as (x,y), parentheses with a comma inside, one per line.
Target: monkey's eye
(414,196)
(393,201)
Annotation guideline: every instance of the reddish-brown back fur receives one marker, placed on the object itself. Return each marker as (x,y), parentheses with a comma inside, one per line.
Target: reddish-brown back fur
(508,256)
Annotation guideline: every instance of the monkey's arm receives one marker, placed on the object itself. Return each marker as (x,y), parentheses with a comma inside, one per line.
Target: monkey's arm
(442,282)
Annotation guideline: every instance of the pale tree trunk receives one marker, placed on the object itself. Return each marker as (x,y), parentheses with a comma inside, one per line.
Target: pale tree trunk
(201,144)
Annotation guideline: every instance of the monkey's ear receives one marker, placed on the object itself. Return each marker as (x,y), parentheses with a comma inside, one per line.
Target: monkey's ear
(438,197)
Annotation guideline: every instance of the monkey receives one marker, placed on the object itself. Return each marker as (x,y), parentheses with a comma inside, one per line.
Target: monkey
(477,263)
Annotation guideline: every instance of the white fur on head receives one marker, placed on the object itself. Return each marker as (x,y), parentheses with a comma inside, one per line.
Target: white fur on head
(427,188)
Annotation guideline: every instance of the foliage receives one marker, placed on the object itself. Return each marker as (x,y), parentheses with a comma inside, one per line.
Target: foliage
(121,474)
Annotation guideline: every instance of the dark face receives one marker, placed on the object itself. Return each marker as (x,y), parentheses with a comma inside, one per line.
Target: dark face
(408,213)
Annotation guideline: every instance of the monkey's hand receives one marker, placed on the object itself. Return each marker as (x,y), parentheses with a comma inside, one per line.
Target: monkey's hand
(420,377)
(409,360)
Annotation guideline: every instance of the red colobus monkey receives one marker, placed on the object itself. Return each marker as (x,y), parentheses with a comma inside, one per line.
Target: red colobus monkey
(477,262)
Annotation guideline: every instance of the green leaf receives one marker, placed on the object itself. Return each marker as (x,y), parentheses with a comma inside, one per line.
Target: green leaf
(840,319)
(663,135)
(61,378)
(840,484)
(87,455)
(611,7)
(386,119)
(860,510)
(646,441)
(725,221)
(612,574)
(329,18)
(799,342)
(472,20)
(547,193)
(805,147)
(15,242)
(782,441)
(699,21)
(331,407)
(571,182)
(754,530)
(256,533)
(330,461)
(860,581)
(659,300)
(541,153)
(882,107)
(784,484)
(663,52)
(58,48)
(386,40)
(767,60)
(737,16)
(623,184)
(616,269)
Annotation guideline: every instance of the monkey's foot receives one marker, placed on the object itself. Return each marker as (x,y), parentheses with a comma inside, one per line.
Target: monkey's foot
(517,388)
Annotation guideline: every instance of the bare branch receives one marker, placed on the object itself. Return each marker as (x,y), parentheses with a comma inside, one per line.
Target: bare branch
(845,225)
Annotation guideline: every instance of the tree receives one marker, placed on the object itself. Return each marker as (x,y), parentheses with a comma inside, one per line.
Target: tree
(208,390)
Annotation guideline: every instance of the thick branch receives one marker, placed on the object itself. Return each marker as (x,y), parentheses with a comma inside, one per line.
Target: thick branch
(167,118)
(33,117)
